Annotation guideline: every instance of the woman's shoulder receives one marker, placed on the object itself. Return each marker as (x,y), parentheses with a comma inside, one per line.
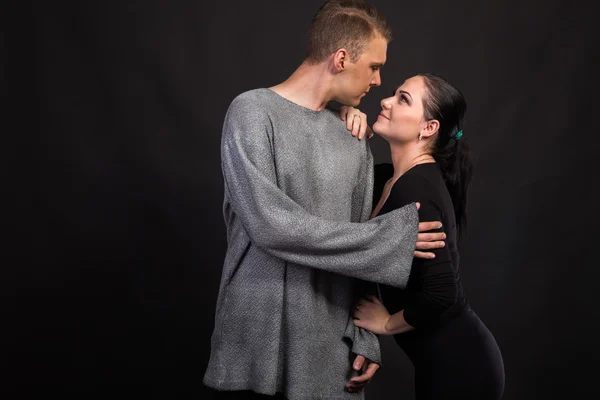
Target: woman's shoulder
(428,174)
(417,184)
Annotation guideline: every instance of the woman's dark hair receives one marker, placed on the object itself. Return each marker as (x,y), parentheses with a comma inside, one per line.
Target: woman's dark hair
(446,104)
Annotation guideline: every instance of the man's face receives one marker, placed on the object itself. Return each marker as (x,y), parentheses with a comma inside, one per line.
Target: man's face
(358,78)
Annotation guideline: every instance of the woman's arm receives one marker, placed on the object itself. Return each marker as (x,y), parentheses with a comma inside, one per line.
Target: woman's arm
(434,287)
(371,315)
(356,122)
(434,283)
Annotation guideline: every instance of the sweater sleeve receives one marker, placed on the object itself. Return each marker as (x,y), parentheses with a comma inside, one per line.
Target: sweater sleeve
(379,250)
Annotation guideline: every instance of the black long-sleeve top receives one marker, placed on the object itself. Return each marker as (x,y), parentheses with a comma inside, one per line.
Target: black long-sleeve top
(434,291)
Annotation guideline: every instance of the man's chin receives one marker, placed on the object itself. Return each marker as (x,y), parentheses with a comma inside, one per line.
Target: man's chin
(350,102)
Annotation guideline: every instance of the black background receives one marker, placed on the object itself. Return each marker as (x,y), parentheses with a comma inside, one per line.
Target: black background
(112,118)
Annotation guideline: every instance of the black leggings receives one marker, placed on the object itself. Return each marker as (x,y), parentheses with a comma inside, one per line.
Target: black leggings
(460,360)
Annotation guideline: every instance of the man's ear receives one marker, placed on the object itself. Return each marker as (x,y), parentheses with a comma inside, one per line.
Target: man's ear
(340,59)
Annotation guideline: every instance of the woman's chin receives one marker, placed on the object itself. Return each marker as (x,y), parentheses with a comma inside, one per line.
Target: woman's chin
(376,128)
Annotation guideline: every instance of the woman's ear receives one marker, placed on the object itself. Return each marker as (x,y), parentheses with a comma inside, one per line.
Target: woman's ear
(430,128)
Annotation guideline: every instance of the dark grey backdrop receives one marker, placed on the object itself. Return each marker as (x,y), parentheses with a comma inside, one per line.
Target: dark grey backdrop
(112,117)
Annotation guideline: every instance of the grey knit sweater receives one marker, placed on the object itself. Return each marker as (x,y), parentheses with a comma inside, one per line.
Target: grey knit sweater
(297,187)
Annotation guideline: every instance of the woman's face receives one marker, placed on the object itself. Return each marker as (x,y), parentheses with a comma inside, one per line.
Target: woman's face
(401,118)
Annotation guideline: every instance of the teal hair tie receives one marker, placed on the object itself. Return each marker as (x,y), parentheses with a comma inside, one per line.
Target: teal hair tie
(458,135)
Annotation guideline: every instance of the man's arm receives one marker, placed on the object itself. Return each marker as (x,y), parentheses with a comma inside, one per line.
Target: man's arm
(379,250)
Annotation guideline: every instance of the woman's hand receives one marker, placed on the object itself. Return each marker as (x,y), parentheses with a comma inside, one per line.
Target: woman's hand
(371,315)
(356,122)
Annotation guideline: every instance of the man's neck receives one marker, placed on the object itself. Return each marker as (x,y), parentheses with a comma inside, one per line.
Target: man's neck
(309,86)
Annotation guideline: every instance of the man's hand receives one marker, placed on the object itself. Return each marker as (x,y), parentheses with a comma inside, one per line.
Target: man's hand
(356,122)
(429,240)
(368,369)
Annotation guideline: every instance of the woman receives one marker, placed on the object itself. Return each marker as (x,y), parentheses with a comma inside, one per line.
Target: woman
(454,354)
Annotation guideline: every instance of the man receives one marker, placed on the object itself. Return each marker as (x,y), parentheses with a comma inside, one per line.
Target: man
(297,188)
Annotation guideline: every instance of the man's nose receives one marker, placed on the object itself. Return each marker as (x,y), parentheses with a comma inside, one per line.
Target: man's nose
(376,79)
